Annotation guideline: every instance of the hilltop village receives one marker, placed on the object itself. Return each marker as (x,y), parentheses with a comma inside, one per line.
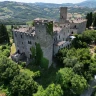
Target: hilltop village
(52,36)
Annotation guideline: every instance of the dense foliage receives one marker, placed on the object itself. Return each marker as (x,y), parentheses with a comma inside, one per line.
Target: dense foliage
(78,59)
(18,83)
(70,82)
(8,70)
(83,40)
(37,55)
(3,34)
(23,85)
(51,90)
(5,50)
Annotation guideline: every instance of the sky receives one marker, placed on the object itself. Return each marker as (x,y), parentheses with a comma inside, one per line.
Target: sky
(47,1)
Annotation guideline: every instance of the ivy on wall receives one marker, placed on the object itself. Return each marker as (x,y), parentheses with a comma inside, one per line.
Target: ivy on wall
(50,28)
(37,54)
(33,51)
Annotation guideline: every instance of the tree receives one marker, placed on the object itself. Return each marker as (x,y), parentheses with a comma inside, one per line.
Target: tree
(69,62)
(71,83)
(64,76)
(4,37)
(79,84)
(93,68)
(8,69)
(23,85)
(91,18)
(94,22)
(88,22)
(51,90)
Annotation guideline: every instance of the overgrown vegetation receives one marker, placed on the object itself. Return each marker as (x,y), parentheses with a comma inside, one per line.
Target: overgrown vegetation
(50,28)
(37,55)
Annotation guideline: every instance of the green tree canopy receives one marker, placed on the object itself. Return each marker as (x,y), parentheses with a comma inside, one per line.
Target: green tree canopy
(79,84)
(23,85)
(51,90)
(64,77)
(8,69)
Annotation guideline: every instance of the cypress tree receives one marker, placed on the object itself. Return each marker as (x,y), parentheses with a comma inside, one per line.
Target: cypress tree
(90,18)
(4,34)
(94,23)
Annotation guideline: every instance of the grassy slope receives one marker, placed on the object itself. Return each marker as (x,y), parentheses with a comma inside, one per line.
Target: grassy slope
(13,49)
(47,75)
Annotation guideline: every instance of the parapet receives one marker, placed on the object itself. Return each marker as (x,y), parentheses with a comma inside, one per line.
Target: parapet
(63,8)
(41,21)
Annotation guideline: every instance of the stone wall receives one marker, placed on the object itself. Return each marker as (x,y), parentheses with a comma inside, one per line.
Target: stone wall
(24,42)
(82,27)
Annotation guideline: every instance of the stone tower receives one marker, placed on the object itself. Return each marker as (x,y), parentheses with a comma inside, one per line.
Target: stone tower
(63,14)
(44,38)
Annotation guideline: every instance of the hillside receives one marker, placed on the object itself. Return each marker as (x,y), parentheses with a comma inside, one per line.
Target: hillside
(88,3)
(22,12)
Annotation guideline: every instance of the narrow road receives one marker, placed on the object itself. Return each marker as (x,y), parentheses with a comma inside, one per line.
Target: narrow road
(90,90)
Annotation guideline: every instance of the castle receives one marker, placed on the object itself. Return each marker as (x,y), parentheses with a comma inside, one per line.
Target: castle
(51,36)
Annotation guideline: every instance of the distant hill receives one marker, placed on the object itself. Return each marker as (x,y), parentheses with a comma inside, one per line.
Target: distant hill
(23,12)
(88,3)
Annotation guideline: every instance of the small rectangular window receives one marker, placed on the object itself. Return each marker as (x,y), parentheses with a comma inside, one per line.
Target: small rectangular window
(21,36)
(15,35)
(59,36)
(29,42)
(30,56)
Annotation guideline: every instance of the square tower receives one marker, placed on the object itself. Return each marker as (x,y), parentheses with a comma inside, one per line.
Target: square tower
(63,13)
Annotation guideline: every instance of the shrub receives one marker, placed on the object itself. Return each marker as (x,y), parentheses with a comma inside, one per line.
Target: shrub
(44,63)
(95,49)
(4,47)
(36,74)
(0,47)
(6,52)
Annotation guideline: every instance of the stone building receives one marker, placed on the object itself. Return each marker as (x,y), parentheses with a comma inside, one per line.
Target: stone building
(51,39)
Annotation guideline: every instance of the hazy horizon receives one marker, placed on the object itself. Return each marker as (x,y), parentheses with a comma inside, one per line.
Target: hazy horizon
(46,1)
